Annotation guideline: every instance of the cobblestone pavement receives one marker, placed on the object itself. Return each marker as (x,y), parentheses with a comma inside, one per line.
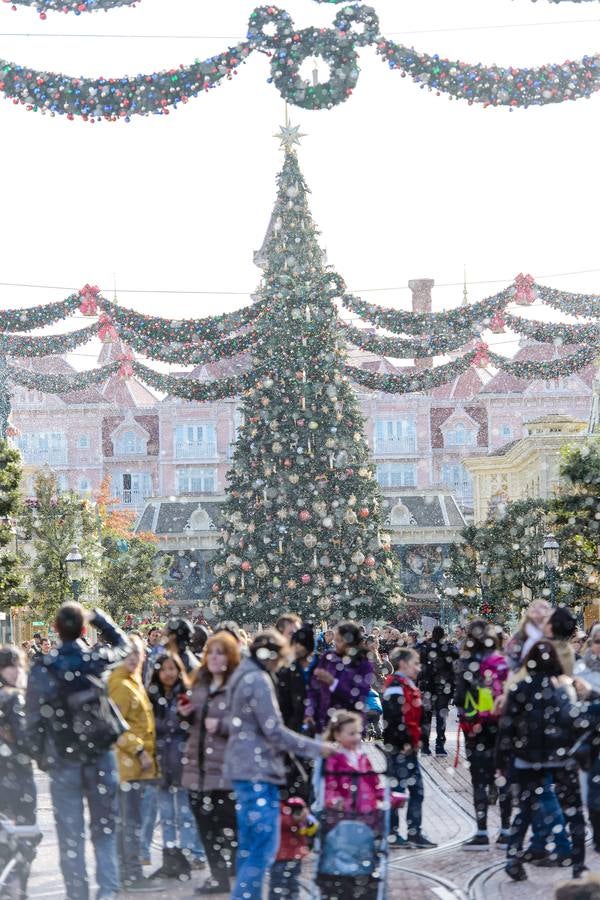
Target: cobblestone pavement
(446,873)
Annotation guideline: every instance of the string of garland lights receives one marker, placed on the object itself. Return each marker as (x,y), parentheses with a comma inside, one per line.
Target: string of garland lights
(189,354)
(402,321)
(552,332)
(555,368)
(573,304)
(73,6)
(399,348)
(39,316)
(354,27)
(46,345)
(413,381)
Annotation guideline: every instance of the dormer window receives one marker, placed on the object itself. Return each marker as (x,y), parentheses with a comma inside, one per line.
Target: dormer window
(129,441)
(460,435)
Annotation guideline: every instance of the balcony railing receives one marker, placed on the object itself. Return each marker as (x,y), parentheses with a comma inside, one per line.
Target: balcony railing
(204,450)
(132,498)
(396,446)
(45,457)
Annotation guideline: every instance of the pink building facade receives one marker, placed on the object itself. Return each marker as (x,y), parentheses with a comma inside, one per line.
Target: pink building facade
(170,448)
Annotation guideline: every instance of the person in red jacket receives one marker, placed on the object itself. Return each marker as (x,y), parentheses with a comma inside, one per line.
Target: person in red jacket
(402,713)
(297,826)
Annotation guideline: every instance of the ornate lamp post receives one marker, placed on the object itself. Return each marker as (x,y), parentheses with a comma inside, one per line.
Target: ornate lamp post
(74,564)
(551,560)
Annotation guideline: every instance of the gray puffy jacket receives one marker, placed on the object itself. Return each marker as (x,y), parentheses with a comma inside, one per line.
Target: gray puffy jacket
(258,739)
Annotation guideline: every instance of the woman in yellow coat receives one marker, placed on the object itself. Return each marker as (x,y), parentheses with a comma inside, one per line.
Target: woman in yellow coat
(136,755)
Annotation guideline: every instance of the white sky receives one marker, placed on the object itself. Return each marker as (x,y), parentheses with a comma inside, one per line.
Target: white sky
(404,183)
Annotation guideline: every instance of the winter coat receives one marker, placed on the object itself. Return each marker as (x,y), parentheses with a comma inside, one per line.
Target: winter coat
(360,794)
(60,674)
(17,788)
(204,756)
(258,738)
(172,733)
(539,725)
(487,671)
(591,675)
(437,670)
(291,696)
(353,680)
(402,713)
(293,842)
(129,694)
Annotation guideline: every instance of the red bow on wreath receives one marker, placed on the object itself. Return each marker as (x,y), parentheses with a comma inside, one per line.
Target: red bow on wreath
(89,300)
(524,290)
(106,330)
(481,358)
(126,367)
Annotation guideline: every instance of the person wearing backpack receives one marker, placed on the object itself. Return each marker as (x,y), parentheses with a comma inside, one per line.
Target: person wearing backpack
(71,730)
(480,675)
(438,657)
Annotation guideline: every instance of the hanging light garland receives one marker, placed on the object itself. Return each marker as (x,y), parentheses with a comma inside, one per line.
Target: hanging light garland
(569,303)
(61,384)
(38,316)
(272,31)
(413,381)
(189,354)
(403,348)
(46,345)
(553,332)
(73,6)
(403,321)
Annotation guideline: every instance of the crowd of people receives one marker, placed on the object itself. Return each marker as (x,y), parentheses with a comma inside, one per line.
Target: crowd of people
(217,736)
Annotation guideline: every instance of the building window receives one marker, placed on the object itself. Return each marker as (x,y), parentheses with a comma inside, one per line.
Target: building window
(460,436)
(129,443)
(506,432)
(458,480)
(395,435)
(84,486)
(134,487)
(43,448)
(62,483)
(83,442)
(195,441)
(197,480)
(397,475)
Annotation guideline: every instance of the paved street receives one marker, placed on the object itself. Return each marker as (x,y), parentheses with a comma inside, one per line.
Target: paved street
(441,874)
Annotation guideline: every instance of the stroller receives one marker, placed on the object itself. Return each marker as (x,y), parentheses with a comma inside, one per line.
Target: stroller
(352,847)
(17,851)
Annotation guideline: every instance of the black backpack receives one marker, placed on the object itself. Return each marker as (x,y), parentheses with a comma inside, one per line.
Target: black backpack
(90,723)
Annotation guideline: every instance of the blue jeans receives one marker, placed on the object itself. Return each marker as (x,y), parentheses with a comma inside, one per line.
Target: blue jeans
(70,784)
(149,817)
(284,880)
(257,810)
(177,821)
(131,796)
(538,806)
(405,773)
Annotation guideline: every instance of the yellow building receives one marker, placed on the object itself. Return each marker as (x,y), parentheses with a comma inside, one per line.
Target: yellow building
(527,467)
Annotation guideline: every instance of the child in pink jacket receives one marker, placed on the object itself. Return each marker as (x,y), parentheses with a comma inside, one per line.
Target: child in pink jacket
(343,790)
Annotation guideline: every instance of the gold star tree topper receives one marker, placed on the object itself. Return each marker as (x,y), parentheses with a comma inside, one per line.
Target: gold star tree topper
(289,135)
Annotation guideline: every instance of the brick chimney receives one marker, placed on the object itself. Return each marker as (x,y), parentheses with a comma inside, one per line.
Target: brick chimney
(421,303)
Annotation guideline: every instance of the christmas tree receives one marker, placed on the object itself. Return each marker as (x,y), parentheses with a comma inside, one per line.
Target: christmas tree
(303,512)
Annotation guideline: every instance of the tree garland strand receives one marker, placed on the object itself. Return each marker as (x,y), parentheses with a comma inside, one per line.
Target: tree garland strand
(61,384)
(154,328)
(354,27)
(570,303)
(191,389)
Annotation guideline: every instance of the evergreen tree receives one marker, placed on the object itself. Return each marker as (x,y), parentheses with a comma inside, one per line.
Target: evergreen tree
(53,522)
(12,592)
(131,575)
(304,524)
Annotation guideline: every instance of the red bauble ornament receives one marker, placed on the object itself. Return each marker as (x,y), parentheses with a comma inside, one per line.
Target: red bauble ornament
(364,512)
(370,561)
(304,515)
(287,463)
(246,566)
(305,579)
